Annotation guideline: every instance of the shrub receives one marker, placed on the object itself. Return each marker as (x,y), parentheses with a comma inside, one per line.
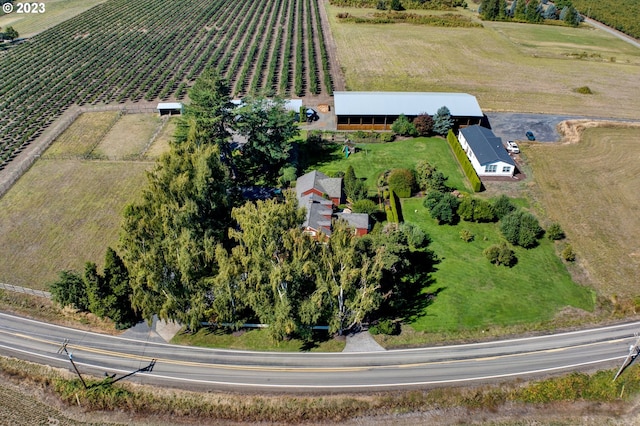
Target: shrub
(521,228)
(500,254)
(386,326)
(555,232)
(442,206)
(423,124)
(387,137)
(401,181)
(424,169)
(416,237)
(381,5)
(466,236)
(70,289)
(365,206)
(475,210)
(466,165)
(502,206)
(395,207)
(568,254)
(584,90)
(402,126)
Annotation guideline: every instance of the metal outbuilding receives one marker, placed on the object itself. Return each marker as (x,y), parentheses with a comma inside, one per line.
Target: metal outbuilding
(170,108)
(378,110)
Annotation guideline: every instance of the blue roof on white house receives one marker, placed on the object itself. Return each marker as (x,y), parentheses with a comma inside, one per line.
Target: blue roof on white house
(408,103)
(486,146)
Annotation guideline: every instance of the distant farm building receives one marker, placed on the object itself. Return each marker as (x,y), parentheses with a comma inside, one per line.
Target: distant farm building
(289,104)
(486,152)
(170,108)
(378,110)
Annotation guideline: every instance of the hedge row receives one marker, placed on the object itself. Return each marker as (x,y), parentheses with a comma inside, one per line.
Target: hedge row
(467,167)
(396,213)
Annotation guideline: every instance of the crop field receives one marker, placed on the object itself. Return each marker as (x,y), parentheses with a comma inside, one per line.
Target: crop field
(591,189)
(619,14)
(56,11)
(120,51)
(507,66)
(66,209)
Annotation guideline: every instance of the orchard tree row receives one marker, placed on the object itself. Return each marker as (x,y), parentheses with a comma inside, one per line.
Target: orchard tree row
(121,51)
(619,14)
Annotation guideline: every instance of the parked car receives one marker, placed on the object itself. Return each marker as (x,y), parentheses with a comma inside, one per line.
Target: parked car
(512,147)
(530,135)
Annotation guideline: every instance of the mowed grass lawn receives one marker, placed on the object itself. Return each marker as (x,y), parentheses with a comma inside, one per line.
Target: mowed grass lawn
(473,293)
(67,210)
(591,189)
(255,340)
(507,66)
(371,160)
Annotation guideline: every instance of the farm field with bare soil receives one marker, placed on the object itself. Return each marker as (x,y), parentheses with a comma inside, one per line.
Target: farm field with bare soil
(590,187)
(507,66)
(67,208)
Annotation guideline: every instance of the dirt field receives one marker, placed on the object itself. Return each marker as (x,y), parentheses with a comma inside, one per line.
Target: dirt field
(507,66)
(589,184)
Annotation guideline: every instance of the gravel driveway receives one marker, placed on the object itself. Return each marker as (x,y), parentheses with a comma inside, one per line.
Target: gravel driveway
(512,126)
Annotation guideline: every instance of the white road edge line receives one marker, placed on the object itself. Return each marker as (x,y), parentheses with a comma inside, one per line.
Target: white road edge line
(493,342)
(389,385)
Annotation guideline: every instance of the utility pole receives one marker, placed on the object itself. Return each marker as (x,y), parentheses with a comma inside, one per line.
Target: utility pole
(63,348)
(108,379)
(634,351)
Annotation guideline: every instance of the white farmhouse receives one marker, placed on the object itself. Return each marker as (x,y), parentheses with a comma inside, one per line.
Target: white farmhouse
(486,152)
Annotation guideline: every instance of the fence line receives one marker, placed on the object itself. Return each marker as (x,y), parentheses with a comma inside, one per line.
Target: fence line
(25,290)
(22,163)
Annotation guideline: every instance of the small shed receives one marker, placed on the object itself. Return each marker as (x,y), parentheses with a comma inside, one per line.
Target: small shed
(170,108)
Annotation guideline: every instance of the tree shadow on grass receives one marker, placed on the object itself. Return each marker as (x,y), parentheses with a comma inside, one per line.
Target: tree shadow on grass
(315,152)
(415,291)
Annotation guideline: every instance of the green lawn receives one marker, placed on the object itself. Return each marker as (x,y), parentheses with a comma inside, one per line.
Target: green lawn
(472,293)
(254,340)
(373,159)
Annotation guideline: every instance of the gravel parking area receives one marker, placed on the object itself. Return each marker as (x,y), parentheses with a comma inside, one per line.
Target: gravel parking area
(512,126)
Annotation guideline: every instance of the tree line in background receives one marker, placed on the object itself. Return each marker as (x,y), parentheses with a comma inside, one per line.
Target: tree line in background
(193,250)
(532,11)
(398,5)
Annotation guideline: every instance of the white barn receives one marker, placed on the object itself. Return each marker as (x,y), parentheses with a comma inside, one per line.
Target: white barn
(486,152)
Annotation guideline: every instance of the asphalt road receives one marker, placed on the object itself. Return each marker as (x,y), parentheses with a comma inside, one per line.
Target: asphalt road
(214,369)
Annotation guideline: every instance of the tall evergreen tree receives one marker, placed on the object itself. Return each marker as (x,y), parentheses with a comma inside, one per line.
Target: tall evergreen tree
(442,121)
(269,129)
(168,238)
